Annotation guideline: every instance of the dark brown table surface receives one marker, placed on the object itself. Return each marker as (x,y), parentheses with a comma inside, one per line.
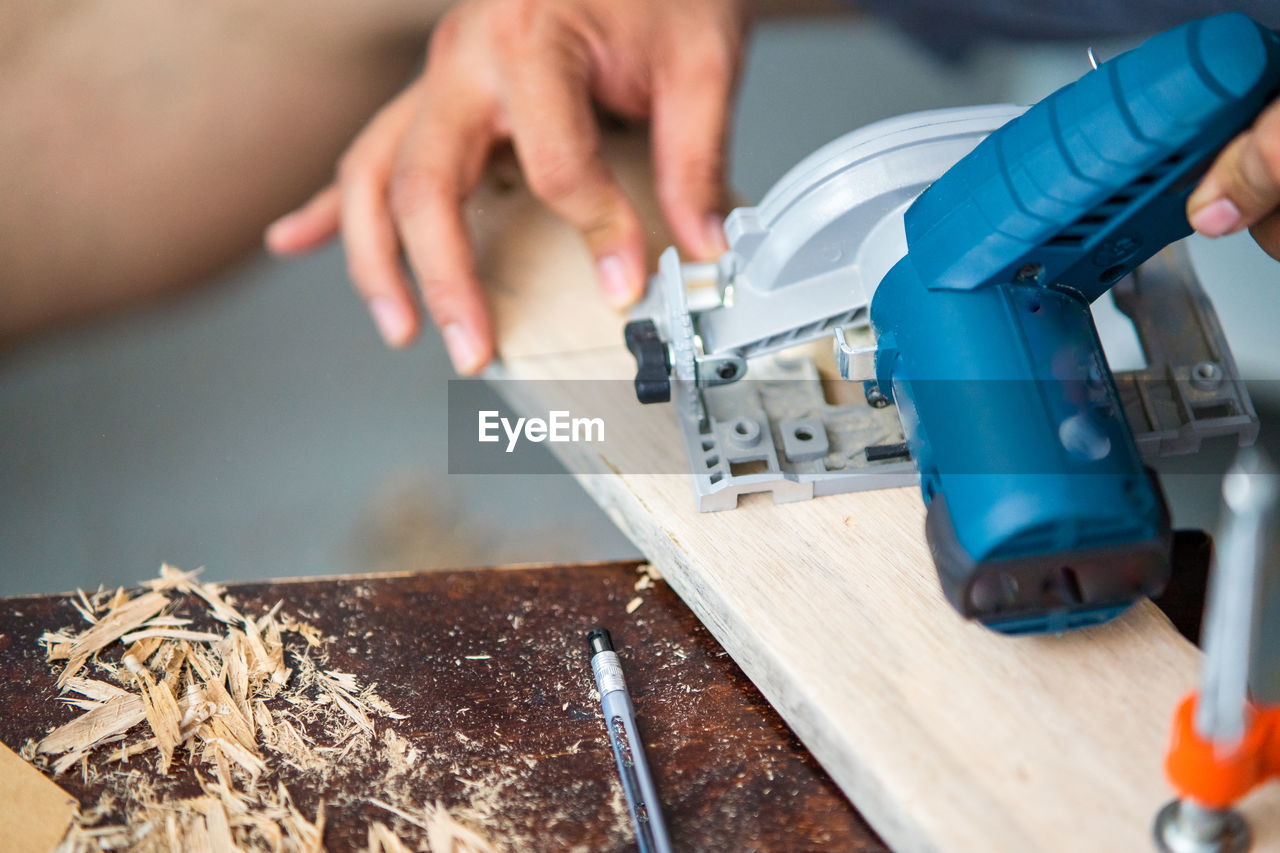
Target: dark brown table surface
(522,728)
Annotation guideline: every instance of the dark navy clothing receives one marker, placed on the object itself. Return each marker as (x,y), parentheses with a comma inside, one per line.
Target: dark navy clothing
(950,27)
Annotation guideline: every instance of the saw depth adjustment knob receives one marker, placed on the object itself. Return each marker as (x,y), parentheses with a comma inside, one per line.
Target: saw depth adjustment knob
(653,362)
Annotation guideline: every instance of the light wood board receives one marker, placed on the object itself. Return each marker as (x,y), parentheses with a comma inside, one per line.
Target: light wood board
(34,812)
(946,735)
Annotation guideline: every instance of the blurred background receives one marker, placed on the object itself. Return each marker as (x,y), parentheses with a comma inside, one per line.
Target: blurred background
(258,427)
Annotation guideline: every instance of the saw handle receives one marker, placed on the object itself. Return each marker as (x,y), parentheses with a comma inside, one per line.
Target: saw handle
(1093,180)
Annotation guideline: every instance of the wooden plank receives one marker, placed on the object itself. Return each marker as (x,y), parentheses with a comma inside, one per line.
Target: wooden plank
(945,735)
(34,812)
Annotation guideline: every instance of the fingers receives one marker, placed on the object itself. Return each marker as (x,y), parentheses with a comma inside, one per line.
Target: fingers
(368,233)
(557,141)
(440,163)
(307,228)
(690,118)
(527,72)
(373,255)
(1267,233)
(1243,185)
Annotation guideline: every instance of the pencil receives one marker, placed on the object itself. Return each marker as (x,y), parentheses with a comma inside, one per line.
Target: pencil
(620,721)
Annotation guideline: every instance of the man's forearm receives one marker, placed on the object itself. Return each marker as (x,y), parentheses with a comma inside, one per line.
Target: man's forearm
(144,145)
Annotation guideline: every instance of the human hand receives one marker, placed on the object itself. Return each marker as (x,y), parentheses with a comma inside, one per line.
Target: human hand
(1242,187)
(528,71)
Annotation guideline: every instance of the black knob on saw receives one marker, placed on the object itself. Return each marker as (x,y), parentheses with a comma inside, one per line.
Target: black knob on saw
(653,362)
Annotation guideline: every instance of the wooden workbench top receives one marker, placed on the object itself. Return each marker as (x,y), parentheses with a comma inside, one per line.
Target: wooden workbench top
(490,669)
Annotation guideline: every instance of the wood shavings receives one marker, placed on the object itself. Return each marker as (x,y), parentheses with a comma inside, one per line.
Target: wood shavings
(444,833)
(171,634)
(54,638)
(245,758)
(307,837)
(336,685)
(206,692)
(216,825)
(371,699)
(94,691)
(190,718)
(140,652)
(220,820)
(307,631)
(117,622)
(292,746)
(383,840)
(648,576)
(345,680)
(113,717)
(85,607)
(163,715)
(167,622)
(174,579)
(399,812)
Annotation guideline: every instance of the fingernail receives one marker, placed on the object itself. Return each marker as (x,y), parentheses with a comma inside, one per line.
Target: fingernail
(276,229)
(463,349)
(1217,219)
(392,319)
(716,241)
(613,278)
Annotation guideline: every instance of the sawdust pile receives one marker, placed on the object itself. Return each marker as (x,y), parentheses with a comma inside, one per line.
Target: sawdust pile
(235,703)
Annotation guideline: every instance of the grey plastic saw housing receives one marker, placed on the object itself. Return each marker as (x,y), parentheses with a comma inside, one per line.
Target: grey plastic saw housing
(809,256)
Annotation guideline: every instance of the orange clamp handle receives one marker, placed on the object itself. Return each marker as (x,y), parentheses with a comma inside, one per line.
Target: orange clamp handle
(1199,772)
